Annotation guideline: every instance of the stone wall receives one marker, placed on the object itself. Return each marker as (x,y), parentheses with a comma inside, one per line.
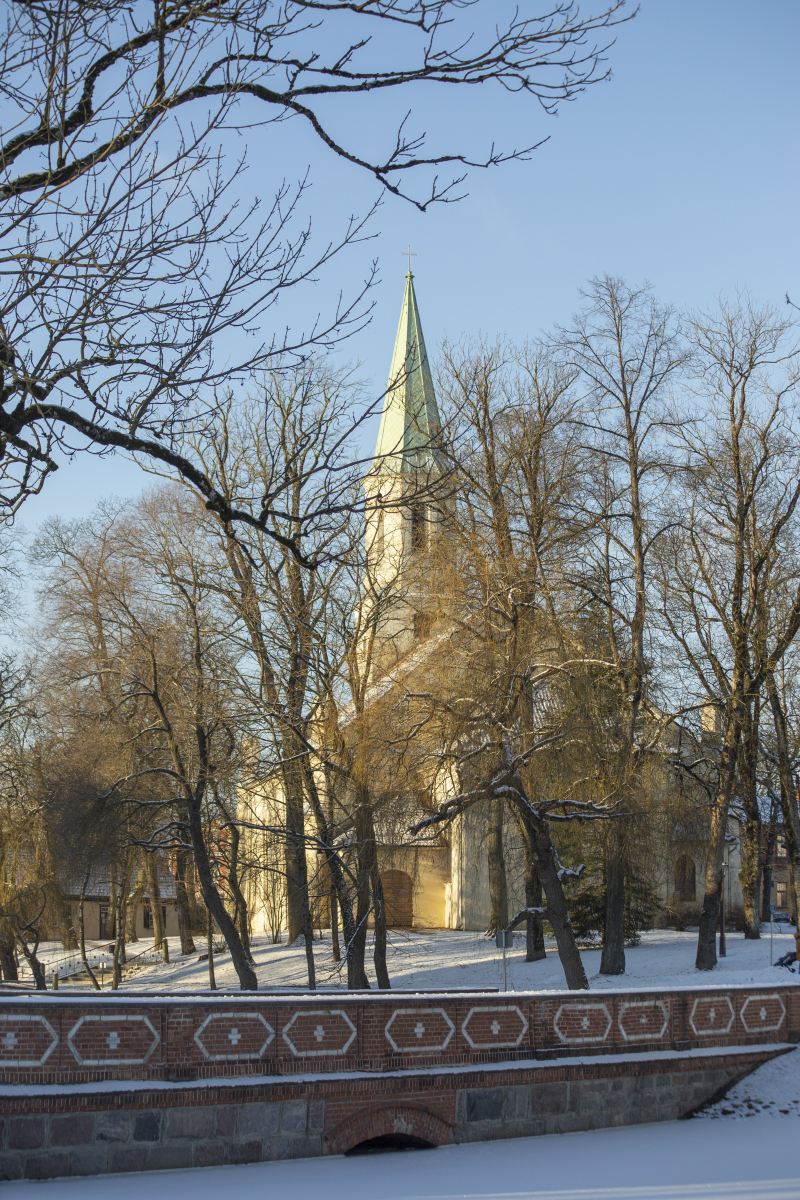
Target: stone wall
(82,1132)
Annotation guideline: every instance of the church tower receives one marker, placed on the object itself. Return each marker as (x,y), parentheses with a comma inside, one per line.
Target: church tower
(405,493)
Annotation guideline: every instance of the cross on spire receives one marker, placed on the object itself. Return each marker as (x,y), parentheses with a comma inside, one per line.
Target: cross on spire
(410,254)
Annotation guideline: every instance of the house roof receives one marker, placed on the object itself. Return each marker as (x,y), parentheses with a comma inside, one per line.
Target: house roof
(99,885)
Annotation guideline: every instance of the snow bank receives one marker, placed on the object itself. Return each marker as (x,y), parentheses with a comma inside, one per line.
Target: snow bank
(687,1160)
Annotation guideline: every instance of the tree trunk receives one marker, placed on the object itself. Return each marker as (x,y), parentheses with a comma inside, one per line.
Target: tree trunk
(534,926)
(212,979)
(182,863)
(112,902)
(118,956)
(240,916)
(156,908)
(379,917)
(298,908)
(612,961)
(365,839)
(750,874)
(295,858)
(122,908)
(134,904)
(8,961)
(336,953)
(356,975)
(709,917)
(541,851)
(788,787)
(241,963)
(333,909)
(769,857)
(308,938)
(498,885)
(63,907)
(82,937)
(37,970)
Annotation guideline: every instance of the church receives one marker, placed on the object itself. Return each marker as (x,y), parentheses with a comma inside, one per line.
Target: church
(437,881)
(428,883)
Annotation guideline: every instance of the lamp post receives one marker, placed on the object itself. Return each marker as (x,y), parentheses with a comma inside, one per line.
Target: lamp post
(723,951)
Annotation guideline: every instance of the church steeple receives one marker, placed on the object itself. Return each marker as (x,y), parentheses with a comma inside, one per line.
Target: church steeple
(410,435)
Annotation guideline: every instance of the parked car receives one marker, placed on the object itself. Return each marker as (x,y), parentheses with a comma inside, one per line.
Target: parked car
(782,918)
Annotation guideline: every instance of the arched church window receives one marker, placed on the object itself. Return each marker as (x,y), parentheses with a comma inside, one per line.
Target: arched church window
(418,527)
(685,878)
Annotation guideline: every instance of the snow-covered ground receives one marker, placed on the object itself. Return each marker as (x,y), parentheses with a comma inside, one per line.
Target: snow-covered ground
(682,1160)
(452,959)
(773,1090)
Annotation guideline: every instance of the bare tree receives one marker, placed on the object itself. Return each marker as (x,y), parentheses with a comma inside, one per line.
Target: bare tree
(137,274)
(626,351)
(738,498)
(138,627)
(304,635)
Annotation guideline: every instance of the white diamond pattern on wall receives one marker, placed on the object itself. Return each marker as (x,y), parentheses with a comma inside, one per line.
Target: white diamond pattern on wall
(419,1030)
(25,1040)
(319,1033)
(582,1023)
(113,1041)
(643,1020)
(711,1016)
(234,1037)
(494,1027)
(763,1014)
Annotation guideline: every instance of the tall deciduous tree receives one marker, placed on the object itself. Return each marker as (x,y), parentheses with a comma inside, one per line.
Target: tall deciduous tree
(738,499)
(626,351)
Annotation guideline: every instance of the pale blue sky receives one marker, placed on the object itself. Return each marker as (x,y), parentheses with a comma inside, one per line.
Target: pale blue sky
(683,170)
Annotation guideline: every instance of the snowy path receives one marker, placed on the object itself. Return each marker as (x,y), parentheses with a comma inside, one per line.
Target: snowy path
(685,1160)
(452,959)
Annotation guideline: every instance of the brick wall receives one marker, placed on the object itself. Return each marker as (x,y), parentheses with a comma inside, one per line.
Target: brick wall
(67,1039)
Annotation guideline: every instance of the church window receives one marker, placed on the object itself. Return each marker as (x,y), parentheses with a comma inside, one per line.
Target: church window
(418,527)
(377,541)
(685,878)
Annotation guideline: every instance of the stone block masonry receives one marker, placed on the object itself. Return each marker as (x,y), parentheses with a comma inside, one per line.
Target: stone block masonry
(95,1085)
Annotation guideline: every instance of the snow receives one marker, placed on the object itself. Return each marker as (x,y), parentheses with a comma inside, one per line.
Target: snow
(773,1090)
(517,1064)
(682,1160)
(444,959)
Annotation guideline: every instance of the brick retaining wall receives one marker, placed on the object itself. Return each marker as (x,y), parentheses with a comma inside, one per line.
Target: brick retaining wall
(77,1039)
(119,1083)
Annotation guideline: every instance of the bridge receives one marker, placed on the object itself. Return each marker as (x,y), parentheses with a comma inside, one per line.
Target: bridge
(104,1083)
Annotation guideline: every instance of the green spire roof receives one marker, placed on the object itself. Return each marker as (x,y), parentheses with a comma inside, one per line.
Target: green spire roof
(410,436)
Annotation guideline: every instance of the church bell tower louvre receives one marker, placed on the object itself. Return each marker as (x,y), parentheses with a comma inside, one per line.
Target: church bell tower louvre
(406,509)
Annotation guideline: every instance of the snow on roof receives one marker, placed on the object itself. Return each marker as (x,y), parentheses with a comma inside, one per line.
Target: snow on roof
(99,883)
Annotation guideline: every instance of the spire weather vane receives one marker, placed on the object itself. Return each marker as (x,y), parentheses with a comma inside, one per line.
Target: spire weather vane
(410,254)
